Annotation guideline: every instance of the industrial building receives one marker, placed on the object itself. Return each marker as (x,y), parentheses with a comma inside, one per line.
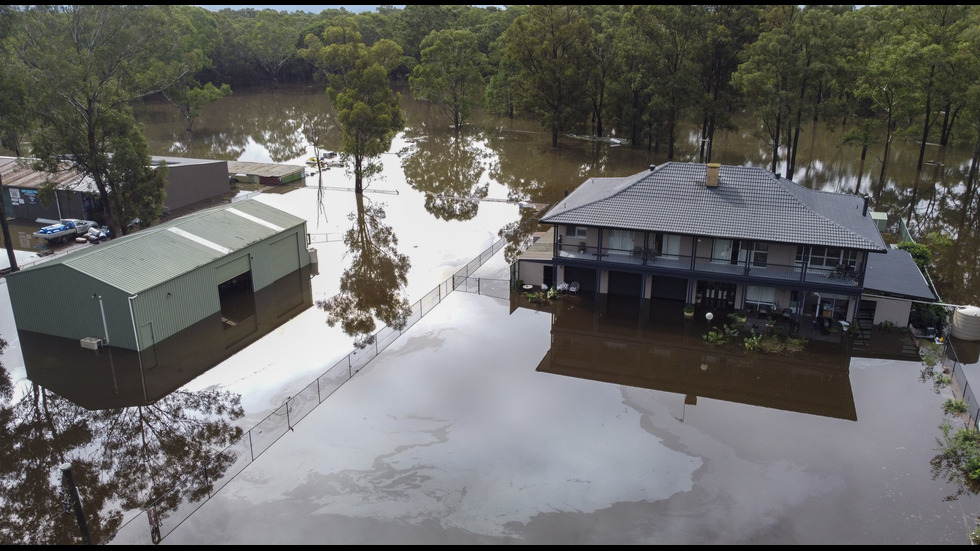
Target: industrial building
(189,182)
(127,321)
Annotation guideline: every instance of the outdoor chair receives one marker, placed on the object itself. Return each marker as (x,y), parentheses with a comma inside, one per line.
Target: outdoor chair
(573,288)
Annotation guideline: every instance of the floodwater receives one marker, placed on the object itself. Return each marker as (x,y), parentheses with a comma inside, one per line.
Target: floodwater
(491,421)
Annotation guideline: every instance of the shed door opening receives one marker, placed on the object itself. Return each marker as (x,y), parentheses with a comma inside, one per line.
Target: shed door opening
(237,300)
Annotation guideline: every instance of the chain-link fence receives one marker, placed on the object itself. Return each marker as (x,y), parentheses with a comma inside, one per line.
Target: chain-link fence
(952,364)
(166,513)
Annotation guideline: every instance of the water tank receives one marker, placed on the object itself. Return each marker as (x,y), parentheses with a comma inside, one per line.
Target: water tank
(966,323)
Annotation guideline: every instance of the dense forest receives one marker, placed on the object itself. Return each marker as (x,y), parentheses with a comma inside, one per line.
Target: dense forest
(635,72)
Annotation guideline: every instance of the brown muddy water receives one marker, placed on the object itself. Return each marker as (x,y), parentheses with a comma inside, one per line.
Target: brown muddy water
(495,422)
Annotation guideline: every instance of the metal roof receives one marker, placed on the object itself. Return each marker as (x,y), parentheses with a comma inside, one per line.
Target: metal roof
(896,273)
(151,256)
(748,203)
(17,172)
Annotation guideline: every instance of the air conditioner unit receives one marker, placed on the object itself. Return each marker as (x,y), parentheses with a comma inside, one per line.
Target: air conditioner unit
(92,343)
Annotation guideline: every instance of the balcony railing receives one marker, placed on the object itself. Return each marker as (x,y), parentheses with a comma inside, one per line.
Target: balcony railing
(703,264)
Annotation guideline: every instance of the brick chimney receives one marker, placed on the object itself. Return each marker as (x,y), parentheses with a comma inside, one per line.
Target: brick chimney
(712,179)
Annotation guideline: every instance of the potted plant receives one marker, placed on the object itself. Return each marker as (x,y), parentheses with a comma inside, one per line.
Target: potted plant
(689,310)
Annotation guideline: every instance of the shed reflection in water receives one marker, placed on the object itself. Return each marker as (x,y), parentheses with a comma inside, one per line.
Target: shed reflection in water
(651,345)
(114,378)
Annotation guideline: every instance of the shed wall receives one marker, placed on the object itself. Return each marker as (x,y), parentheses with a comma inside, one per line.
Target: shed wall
(56,299)
(195,182)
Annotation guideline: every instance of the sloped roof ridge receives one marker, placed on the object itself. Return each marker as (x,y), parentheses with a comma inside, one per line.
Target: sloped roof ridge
(784,182)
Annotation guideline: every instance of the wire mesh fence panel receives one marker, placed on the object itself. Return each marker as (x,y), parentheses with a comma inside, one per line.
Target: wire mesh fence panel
(430,301)
(459,277)
(303,403)
(498,288)
(268,430)
(136,531)
(333,378)
(360,358)
(459,280)
(473,266)
(386,336)
(190,492)
(231,461)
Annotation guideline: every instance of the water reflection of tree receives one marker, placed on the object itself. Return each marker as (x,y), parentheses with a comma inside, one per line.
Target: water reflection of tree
(121,459)
(371,287)
(447,168)
(147,450)
(519,234)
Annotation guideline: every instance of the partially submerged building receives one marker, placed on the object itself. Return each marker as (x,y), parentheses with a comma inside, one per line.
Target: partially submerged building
(189,182)
(721,237)
(125,322)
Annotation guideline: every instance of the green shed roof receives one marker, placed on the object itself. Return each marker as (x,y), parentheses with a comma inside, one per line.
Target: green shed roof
(151,256)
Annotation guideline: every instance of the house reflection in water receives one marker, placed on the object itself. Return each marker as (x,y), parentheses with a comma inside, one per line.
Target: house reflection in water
(654,347)
(113,377)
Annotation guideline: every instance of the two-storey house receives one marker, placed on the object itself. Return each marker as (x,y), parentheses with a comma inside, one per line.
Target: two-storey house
(723,237)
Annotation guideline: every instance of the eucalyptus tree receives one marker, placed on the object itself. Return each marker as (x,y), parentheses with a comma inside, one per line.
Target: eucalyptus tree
(671,33)
(720,47)
(768,78)
(550,44)
(886,83)
(450,74)
(968,60)
(415,22)
(936,29)
(631,92)
(86,65)
(815,44)
(359,89)
(187,94)
(602,69)
(270,39)
(15,118)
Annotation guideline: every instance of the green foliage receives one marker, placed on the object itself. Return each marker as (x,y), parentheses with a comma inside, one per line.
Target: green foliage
(552,293)
(359,89)
(930,353)
(449,74)
(549,44)
(955,406)
(920,253)
(715,336)
(962,449)
(94,60)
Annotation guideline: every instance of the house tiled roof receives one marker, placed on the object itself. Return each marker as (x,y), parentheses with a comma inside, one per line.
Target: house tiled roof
(748,203)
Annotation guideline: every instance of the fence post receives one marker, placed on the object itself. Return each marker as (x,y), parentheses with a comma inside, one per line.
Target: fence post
(73,501)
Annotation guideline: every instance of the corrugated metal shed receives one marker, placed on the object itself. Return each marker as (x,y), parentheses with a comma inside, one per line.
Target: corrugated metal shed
(147,258)
(15,172)
(267,173)
(140,289)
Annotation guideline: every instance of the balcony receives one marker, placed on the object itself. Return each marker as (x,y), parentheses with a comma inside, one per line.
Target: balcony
(649,260)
